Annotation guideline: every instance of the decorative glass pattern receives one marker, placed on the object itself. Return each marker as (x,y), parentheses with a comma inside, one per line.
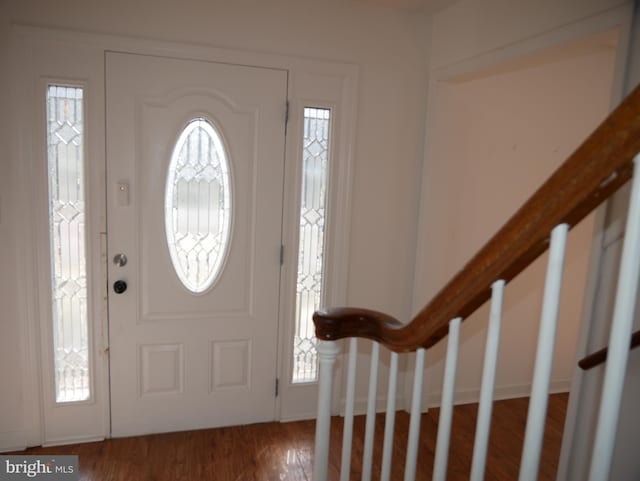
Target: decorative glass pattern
(65,152)
(313,199)
(198,206)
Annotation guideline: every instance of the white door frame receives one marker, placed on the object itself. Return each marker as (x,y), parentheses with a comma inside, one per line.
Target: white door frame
(41,54)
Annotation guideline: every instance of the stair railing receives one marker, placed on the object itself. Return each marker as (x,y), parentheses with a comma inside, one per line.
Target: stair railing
(598,168)
(598,357)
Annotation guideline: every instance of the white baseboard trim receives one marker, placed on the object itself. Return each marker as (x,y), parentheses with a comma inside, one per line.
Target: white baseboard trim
(73,440)
(360,405)
(359,408)
(464,396)
(512,391)
(12,441)
(298,417)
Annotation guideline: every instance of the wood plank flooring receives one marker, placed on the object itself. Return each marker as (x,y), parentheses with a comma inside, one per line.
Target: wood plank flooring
(284,451)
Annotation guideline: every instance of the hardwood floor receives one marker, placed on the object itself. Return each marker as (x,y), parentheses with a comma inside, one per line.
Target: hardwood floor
(284,451)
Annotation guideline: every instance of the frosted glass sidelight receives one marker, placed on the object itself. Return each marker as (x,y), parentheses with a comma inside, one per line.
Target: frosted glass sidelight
(65,152)
(313,199)
(198,206)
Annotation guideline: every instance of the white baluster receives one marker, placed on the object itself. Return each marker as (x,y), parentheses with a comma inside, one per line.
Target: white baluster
(347,433)
(446,405)
(544,357)
(414,421)
(327,354)
(389,422)
(367,457)
(483,425)
(619,340)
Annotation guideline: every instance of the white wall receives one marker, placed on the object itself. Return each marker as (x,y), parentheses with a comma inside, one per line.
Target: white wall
(391,49)
(496,130)
(12,417)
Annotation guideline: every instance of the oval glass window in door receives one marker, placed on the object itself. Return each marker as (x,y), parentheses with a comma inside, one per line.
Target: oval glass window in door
(198,206)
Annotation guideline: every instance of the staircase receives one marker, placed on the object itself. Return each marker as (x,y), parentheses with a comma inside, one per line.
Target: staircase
(595,171)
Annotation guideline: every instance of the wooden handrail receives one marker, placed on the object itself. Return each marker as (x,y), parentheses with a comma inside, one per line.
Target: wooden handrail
(599,357)
(599,167)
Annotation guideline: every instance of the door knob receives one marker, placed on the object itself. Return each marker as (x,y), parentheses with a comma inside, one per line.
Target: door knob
(120,260)
(119,287)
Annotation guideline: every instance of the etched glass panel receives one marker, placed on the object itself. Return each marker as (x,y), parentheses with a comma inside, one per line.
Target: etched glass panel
(198,206)
(65,152)
(313,199)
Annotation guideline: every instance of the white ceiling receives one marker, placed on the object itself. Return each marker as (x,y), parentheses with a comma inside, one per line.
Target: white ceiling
(417,6)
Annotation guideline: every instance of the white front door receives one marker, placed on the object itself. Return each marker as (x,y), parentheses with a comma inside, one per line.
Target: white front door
(195,159)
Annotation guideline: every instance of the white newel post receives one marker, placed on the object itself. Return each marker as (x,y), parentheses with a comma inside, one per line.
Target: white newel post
(327,353)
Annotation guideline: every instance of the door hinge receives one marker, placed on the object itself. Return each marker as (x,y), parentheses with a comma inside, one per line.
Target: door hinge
(286,114)
(281,254)
(277,386)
